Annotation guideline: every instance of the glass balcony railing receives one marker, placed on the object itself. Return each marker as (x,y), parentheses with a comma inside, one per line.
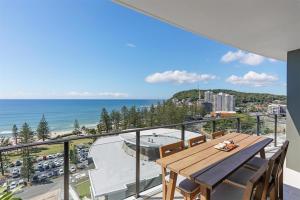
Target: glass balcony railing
(110,166)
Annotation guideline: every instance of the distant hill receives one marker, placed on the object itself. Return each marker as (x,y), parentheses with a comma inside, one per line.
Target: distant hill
(241,97)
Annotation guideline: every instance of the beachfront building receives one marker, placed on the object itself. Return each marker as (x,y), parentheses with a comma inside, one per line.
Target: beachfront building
(277,109)
(208,96)
(223,102)
(114,158)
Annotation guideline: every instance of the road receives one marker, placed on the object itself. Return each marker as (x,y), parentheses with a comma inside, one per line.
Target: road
(36,190)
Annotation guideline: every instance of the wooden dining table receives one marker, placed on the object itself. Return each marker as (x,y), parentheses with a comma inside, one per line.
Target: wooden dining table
(208,166)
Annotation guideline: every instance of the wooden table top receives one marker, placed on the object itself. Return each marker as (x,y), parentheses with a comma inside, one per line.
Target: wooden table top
(208,166)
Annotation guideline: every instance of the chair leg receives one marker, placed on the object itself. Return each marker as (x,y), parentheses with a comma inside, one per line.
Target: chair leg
(187,197)
(281,186)
(164,189)
(273,193)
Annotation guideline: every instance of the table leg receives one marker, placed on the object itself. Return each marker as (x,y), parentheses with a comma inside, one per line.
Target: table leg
(262,153)
(205,193)
(171,186)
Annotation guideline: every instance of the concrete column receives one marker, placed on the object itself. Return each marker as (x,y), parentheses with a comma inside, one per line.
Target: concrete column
(293,105)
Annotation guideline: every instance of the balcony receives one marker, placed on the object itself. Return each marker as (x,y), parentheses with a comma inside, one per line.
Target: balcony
(124,162)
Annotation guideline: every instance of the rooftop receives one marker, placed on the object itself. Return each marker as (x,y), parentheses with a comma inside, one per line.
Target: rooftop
(119,172)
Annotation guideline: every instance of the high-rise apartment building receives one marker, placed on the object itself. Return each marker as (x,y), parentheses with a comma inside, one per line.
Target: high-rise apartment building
(208,96)
(223,102)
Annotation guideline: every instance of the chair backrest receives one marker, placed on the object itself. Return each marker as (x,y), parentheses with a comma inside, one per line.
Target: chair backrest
(217,134)
(255,186)
(271,174)
(170,149)
(197,140)
(284,148)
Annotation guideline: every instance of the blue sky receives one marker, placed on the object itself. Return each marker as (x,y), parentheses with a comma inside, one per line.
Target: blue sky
(98,49)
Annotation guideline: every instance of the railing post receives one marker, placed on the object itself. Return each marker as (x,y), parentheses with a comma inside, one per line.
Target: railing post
(182,132)
(213,126)
(66,170)
(1,163)
(257,125)
(137,165)
(275,130)
(238,125)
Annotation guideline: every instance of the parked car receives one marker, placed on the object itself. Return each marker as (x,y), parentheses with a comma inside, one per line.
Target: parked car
(12,185)
(15,173)
(72,169)
(50,174)
(59,154)
(52,164)
(18,163)
(39,159)
(46,164)
(55,172)
(21,182)
(43,178)
(11,164)
(57,164)
(49,156)
(41,168)
(35,178)
(61,171)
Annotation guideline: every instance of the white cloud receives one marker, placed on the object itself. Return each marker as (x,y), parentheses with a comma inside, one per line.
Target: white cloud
(178,77)
(272,60)
(244,58)
(75,94)
(253,79)
(131,45)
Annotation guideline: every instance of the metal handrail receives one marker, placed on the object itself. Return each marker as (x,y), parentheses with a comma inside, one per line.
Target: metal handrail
(60,141)
(67,141)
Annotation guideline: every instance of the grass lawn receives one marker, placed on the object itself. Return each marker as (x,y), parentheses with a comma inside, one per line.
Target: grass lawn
(47,149)
(83,189)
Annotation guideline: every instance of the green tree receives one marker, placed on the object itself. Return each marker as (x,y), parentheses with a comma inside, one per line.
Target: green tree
(43,129)
(26,136)
(27,169)
(91,131)
(152,115)
(105,120)
(133,117)
(5,160)
(15,133)
(76,130)
(116,119)
(124,117)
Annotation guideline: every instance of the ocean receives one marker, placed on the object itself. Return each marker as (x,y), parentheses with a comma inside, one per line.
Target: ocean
(60,114)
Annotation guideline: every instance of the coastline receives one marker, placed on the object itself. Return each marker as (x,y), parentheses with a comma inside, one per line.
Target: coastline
(60,114)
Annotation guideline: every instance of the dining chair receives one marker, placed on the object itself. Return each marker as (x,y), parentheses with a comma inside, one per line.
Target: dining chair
(217,134)
(197,140)
(274,187)
(187,188)
(242,175)
(255,162)
(252,191)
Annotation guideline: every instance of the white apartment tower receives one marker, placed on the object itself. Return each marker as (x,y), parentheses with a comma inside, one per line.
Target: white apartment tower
(208,96)
(223,102)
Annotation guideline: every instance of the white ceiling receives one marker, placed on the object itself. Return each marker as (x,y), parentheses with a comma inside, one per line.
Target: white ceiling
(266,27)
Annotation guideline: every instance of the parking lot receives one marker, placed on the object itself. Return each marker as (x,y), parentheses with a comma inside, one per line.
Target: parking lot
(48,167)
